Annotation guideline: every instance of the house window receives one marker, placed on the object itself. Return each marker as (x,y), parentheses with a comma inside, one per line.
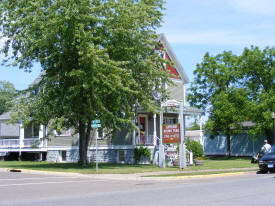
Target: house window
(170,120)
(35,130)
(101,133)
(63,133)
(121,155)
(143,127)
(162,54)
(36,91)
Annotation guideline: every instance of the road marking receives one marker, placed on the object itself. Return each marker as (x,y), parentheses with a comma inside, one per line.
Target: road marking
(38,178)
(41,183)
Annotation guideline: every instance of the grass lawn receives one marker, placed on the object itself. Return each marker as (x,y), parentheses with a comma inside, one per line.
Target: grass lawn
(224,163)
(107,168)
(103,168)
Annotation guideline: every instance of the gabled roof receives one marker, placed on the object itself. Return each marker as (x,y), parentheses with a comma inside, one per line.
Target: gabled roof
(169,51)
(37,79)
(192,111)
(5,116)
(174,59)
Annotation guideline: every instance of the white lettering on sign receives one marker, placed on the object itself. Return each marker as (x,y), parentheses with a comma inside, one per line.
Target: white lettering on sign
(171,133)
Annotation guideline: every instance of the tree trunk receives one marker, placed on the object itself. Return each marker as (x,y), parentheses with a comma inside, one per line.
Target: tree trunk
(228,145)
(84,139)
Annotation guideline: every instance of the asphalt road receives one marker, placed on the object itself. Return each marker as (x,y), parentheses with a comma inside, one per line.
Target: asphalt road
(45,189)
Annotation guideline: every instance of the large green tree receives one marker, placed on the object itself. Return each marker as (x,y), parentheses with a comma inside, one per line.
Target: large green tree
(98,58)
(7,95)
(257,69)
(233,89)
(215,90)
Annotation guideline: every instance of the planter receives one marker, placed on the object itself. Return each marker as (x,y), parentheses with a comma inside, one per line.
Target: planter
(143,161)
(176,162)
(199,162)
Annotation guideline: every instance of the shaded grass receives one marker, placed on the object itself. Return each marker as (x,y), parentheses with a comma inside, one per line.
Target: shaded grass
(108,168)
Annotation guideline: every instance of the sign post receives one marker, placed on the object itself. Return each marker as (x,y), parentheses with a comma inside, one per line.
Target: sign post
(182,145)
(96,124)
(173,133)
(161,146)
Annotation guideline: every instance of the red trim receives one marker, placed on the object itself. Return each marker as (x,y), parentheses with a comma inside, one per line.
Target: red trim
(172,70)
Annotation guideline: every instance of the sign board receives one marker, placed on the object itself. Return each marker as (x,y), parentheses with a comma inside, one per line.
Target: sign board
(95,123)
(170,103)
(170,133)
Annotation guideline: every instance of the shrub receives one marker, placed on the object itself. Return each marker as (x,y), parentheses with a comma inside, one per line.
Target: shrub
(195,147)
(142,152)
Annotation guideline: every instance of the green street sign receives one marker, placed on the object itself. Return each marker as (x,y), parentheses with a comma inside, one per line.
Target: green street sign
(95,123)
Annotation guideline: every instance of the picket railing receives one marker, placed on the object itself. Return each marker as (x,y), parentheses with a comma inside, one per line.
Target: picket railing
(145,140)
(25,143)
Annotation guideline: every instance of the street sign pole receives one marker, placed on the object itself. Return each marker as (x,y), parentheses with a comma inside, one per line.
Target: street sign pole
(96,154)
(96,124)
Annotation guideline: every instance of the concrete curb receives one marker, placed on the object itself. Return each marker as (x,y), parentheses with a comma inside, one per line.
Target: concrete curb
(3,169)
(143,176)
(200,176)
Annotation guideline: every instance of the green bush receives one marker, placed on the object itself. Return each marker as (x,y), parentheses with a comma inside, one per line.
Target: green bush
(142,152)
(195,147)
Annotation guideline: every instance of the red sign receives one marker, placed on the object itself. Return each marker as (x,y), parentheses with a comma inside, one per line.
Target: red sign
(170,133)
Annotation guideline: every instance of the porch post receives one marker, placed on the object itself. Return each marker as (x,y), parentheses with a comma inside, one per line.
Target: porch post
(40,157)
(41,135)
(184,141)
(201,135)
(155,130)
(182,135)
(161,147)
(134,132)
(45,135)
(21,138)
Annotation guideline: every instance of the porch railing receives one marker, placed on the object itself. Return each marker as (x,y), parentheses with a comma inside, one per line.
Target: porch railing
(9,143)
(145,140)
(25,143)
(189,157)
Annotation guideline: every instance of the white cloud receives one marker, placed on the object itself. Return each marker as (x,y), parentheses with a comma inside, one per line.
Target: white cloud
(262,7)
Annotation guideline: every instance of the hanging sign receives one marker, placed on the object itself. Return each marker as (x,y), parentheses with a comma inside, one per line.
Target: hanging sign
(170,103)
(171,133)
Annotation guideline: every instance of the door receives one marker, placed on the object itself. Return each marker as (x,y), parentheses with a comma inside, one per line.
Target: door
(142,128)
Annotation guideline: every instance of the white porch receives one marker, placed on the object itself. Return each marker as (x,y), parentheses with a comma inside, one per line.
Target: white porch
(32,141)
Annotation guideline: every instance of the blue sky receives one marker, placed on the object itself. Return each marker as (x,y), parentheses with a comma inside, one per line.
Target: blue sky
(196,26)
